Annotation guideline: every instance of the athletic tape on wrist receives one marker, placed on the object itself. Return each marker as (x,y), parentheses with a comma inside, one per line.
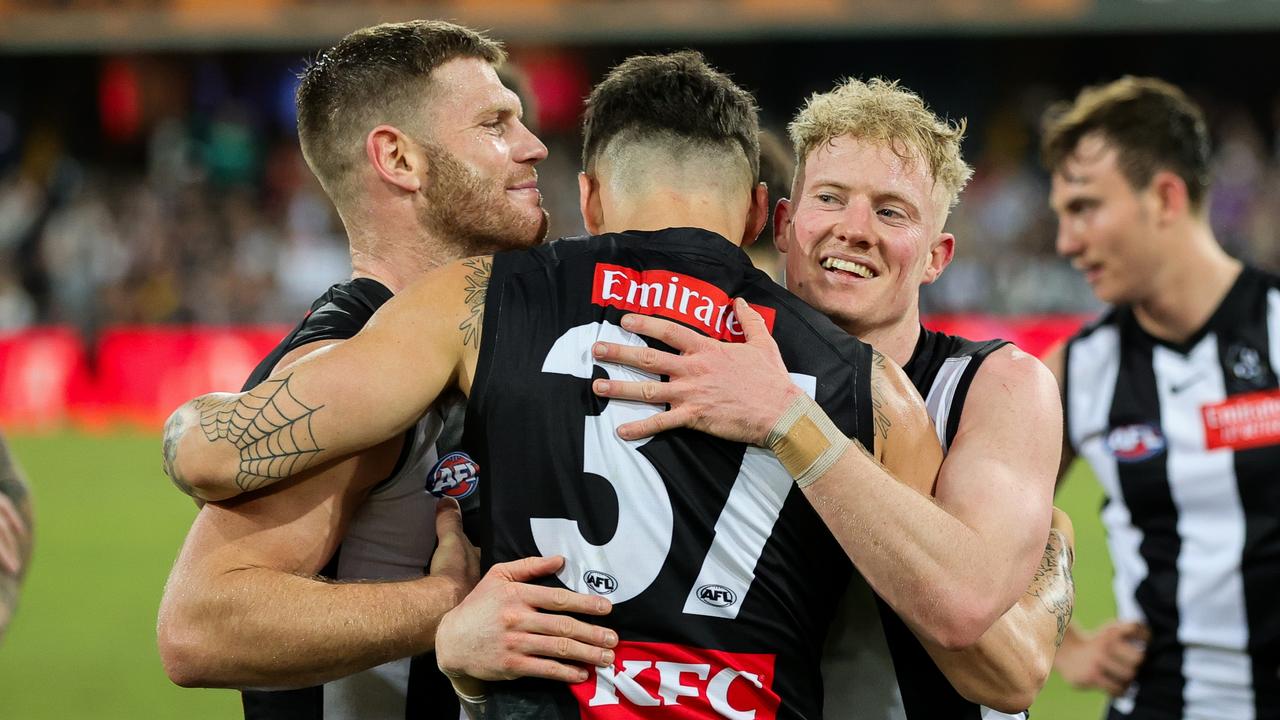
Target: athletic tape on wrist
(476,707)
(806,442)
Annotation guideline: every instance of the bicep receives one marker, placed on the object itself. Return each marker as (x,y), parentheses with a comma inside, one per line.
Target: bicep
(907,443)
(998,476)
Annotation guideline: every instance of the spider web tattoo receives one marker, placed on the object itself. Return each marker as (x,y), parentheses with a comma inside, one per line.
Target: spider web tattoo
(270,426)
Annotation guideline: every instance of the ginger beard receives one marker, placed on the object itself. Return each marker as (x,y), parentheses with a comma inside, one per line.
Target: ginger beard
(479,214)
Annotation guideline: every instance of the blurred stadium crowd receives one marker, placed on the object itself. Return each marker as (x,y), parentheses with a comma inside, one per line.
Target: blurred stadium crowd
(119,208)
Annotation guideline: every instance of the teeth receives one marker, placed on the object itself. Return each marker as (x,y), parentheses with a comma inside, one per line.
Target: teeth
(847,266)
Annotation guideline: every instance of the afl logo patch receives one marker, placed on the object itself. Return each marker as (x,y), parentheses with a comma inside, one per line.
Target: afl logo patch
(717,595)
(1135,443)
(455,476)
(600,583)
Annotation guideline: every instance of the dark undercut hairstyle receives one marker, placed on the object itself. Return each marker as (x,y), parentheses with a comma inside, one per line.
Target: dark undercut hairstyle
(1152,125)
(677,95)
(379,74)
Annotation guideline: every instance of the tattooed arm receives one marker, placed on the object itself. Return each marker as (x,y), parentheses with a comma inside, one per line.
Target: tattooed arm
(339,400)
(1008,666)
(15,534)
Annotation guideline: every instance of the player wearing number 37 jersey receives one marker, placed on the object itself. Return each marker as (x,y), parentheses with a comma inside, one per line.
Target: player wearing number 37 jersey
(722,575)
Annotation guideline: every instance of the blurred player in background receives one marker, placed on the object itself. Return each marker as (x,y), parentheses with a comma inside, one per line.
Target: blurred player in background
(878,174)
(15,535)
(423,153)
(1172,398)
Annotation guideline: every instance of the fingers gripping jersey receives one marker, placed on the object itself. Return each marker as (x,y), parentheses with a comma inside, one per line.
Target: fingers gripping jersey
(723,577)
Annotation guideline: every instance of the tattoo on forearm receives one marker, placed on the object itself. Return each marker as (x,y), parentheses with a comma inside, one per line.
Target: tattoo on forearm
(1053,583)
(173,430)
(477,287)
(882,422)
(269,425)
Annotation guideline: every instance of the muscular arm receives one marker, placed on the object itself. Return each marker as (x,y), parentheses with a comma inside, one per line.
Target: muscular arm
(1008,666)
(243,607)
(338,401)
(950,565)
(15,534)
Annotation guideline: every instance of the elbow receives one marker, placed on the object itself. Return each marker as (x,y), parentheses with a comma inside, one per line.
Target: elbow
(959,624)
(1016,689)
(184,662)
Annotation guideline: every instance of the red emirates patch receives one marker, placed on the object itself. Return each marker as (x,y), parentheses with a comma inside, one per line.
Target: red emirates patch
(672,295)
(661,680)
(1243,421)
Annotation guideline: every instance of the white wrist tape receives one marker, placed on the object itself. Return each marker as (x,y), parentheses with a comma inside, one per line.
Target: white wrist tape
(806,442)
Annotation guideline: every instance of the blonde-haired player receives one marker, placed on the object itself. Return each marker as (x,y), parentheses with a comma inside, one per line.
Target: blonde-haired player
(967,572)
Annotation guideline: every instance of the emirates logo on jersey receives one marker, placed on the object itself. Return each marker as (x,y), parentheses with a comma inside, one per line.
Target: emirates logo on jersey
(456,475)
(676,682)
(1243,421)
(672,295)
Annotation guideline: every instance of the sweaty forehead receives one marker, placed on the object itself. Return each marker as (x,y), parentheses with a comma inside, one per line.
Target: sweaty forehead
(871,165)
(464,89)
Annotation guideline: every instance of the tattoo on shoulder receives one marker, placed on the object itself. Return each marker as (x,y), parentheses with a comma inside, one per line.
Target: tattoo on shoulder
(1053,583)
(477,286)
(269,425)
(878,405)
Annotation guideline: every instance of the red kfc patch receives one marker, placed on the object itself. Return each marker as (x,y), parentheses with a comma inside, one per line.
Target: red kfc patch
(661,680)
(1243,421)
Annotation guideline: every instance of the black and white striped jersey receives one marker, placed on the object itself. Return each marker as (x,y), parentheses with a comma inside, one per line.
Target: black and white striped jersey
(1185,440)
(722,575)
(874,668)
(391,537)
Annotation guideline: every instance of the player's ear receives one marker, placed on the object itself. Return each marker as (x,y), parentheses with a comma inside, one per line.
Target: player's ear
(940,255)
(589,203)
(782,224)
(1169,191)
(757,214)
(398,160)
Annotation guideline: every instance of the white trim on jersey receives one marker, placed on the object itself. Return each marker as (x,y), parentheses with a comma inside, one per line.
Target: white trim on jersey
(1211,523)
(1095,363)
(1273,328)
(943,392)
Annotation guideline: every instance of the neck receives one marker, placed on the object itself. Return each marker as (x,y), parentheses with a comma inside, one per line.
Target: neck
(396,261)
(896,340)
(1187,288)
(666,208)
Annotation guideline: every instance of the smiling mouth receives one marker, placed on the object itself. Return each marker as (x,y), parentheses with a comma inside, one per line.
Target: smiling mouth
(838,265)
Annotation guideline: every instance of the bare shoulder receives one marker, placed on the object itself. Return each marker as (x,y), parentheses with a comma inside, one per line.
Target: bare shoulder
(1056,360)
(1012,380)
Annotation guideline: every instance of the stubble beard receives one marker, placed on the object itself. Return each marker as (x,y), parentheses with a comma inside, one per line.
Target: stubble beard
(478,217)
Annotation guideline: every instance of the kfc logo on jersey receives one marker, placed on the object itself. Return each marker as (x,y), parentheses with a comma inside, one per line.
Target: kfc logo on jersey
(676,682)
(600,583)
(1243,421)
(717,595)
(1135,443)
(672,295)
(455,476)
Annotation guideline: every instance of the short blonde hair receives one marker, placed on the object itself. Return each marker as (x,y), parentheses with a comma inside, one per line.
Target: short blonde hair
(882,111)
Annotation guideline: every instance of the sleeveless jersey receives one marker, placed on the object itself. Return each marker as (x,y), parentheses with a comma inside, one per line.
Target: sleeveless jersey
(391,536)
(1185,441)
(874,668)
(723,577)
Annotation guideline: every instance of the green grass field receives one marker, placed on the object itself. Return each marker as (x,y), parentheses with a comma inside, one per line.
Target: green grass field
(108,528)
